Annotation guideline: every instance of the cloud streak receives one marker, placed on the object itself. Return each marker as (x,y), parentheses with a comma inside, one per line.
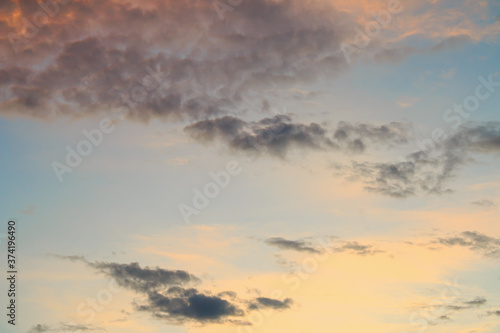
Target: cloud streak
(296,245)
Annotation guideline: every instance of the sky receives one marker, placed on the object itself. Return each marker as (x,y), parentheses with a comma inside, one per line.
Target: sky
(244,166)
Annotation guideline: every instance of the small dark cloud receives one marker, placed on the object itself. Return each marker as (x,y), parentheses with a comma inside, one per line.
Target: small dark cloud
(296,245)
(486,245)
(178,305)
(143,279)
(264,302)
(135,277)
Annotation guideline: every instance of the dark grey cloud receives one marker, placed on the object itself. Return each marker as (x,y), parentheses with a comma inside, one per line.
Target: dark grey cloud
(355,135)
(143,279)
(274,136)
(135,277)
(419,172)
(264,302)
(277,135)
(426,171)
(475,241)
(178,305)
(476,137)
(296,245)
(169,295)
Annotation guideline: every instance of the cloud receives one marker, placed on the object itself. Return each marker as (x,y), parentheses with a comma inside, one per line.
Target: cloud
(297,245)
(89,57)
(474,241)
(358,249)
(494,313)
(476,301)
(428,171)
(264,302)
(62,327)
(355,135)
(464,305)
(419,172)
(476,137)
(39,328)
(70,258)
(169,295)
(487,204)
(274,136)
(133,276)
(351,247)
(179,305)
(277,135)
(446,308)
